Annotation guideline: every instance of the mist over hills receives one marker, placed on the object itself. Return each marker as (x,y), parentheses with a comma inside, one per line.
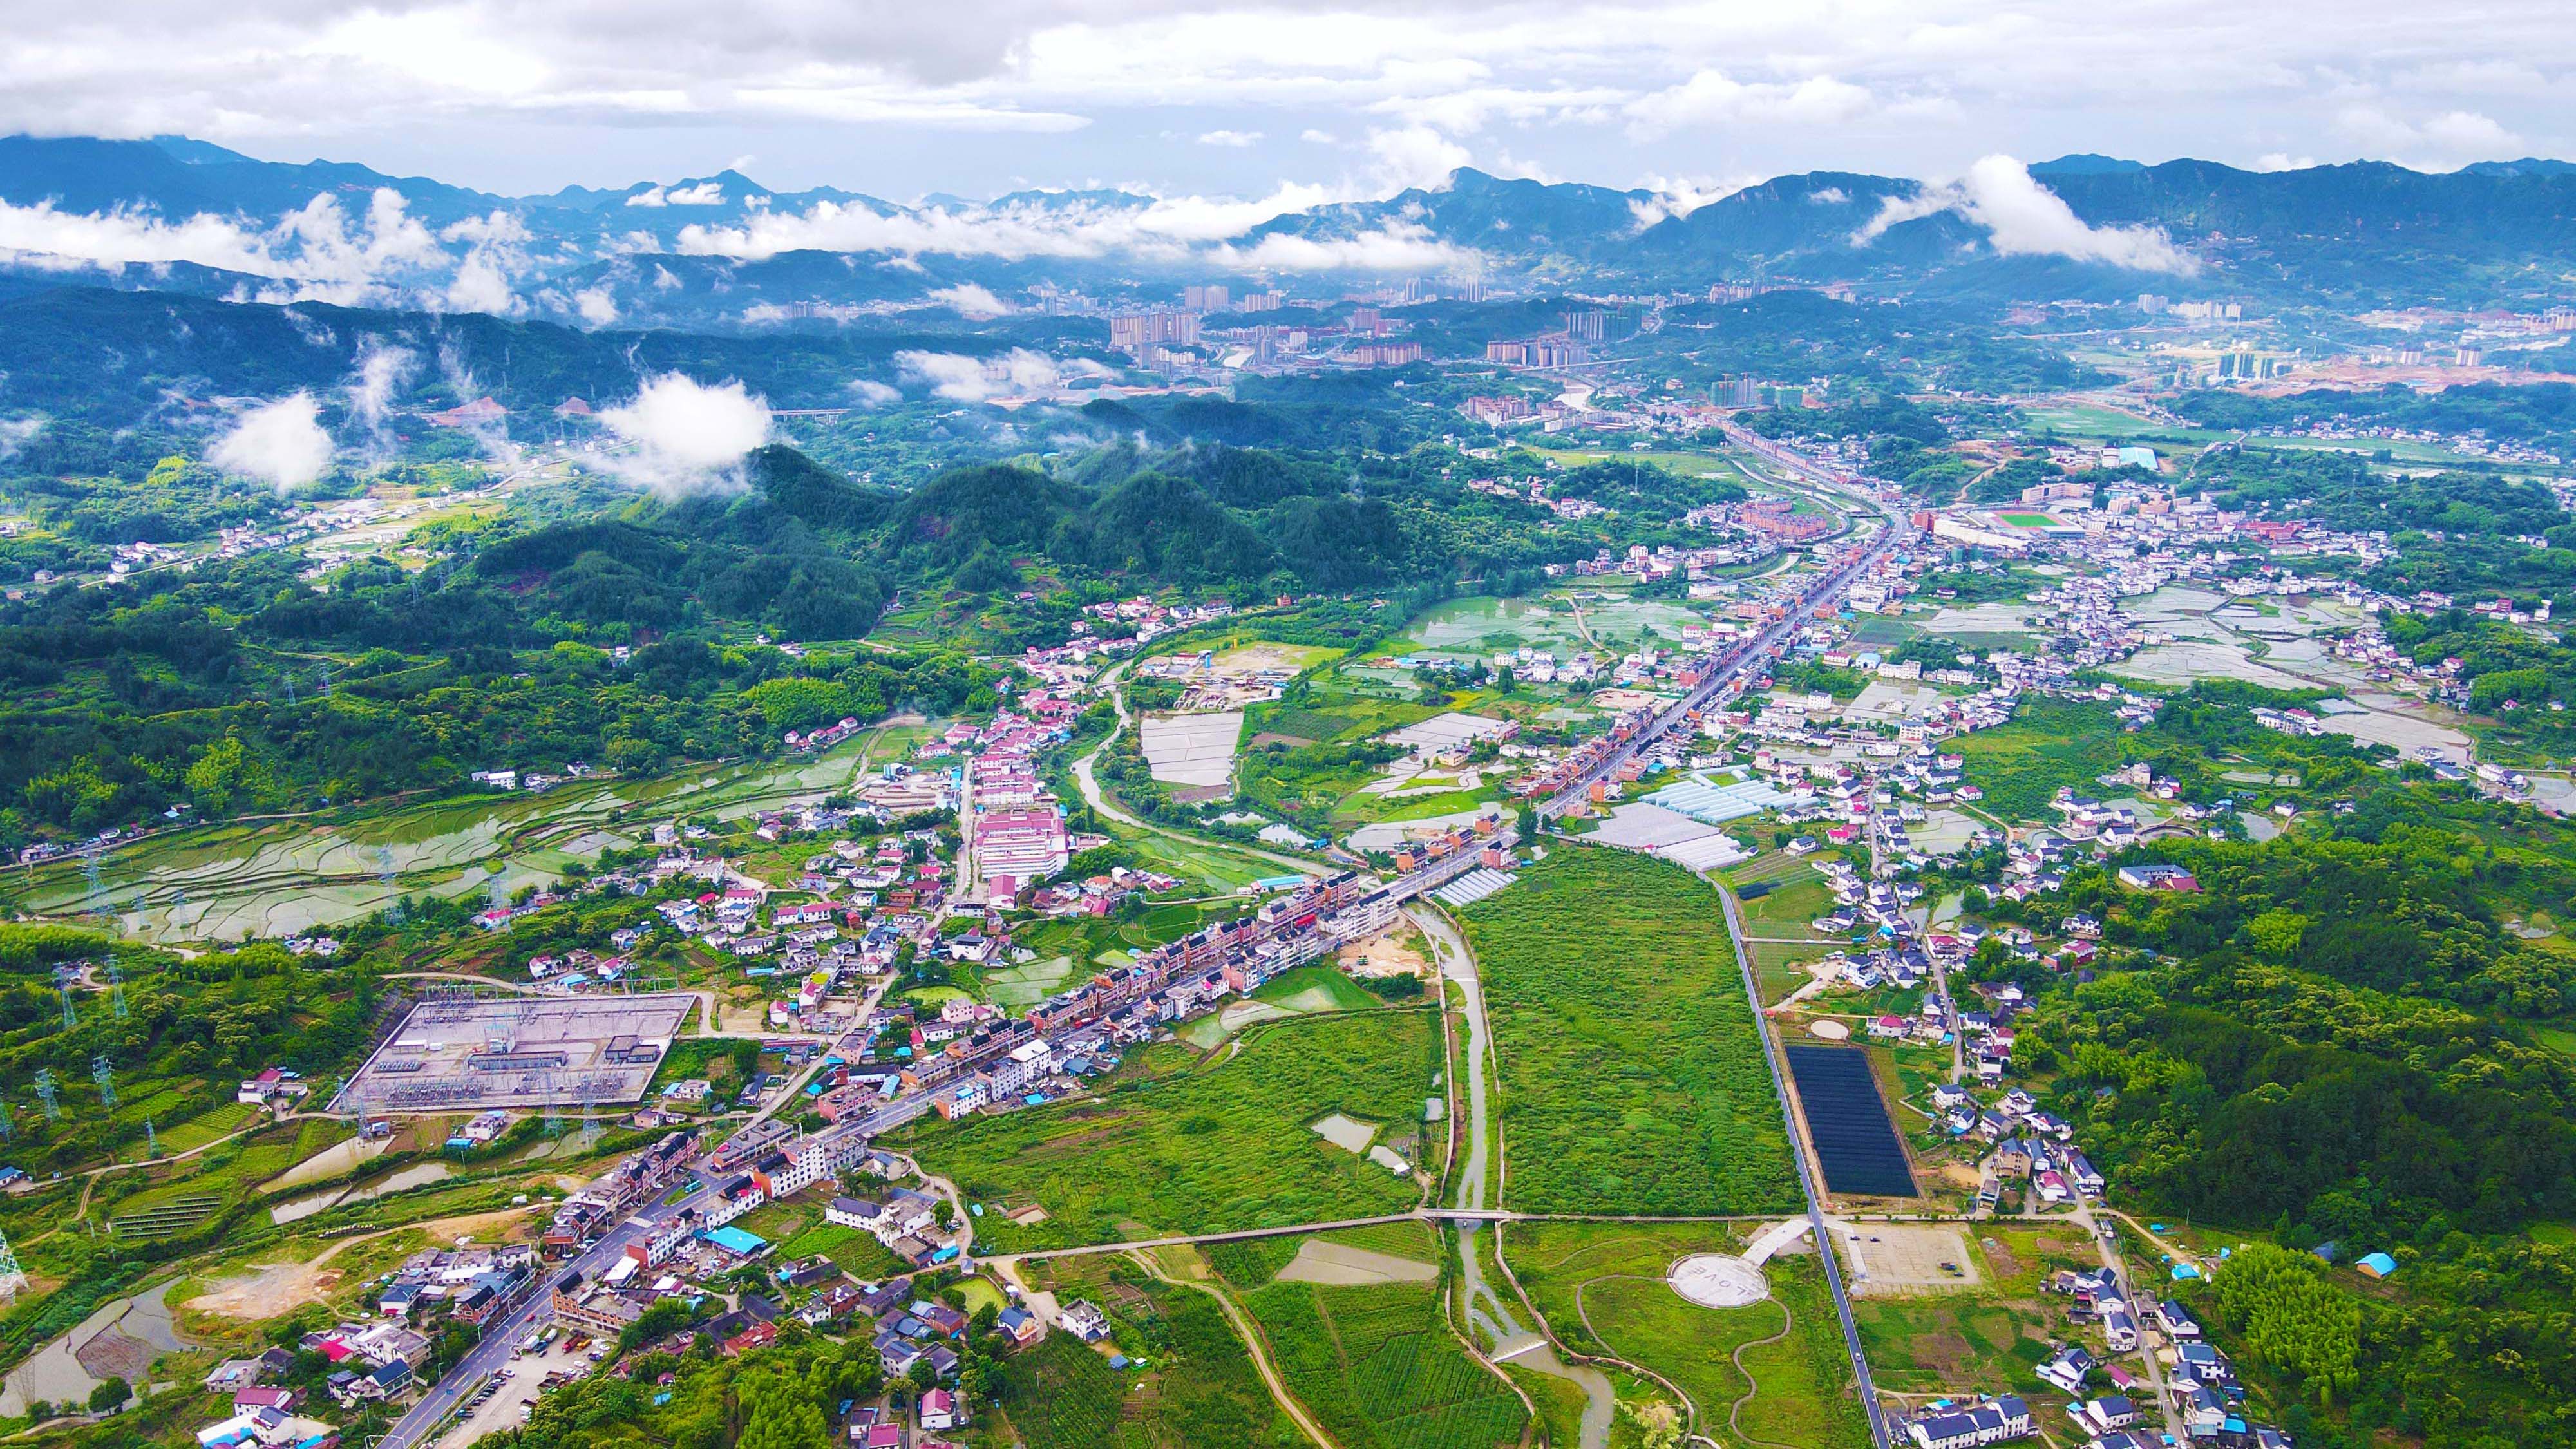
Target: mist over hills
(722,251)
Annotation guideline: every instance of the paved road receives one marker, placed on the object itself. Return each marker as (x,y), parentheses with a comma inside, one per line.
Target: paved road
(500,1336)
(1755,655)
(1807,1183)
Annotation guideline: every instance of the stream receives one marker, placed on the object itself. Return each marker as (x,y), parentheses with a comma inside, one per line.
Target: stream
(1486,1309)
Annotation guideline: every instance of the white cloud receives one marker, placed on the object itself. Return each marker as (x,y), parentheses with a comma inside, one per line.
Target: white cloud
(976,379)
(1415,156)
(1229,138)
(684,435)
(477,90)
(1313,137)
(1678,196)
(967,300)
(1713,98)
(1166,228)
(597,305)
(2023,218)
(1395,247)
(2440,142)
(705,193)
(281,444)
(869,393)
(2283,161)
(382,368)
(16,433)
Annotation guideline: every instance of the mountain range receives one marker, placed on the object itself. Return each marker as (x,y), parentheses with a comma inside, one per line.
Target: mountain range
(723,251)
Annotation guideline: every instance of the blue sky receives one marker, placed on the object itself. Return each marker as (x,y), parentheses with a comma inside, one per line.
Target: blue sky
(1291,104)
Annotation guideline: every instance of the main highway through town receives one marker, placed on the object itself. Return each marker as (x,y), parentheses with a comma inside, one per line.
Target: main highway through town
(1756,654)
(501,1336)
(505,1333)
(1738,664)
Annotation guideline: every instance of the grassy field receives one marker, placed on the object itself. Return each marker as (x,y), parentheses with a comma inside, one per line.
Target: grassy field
(2049,743)
(1792,1347)
(1317,988)
(1632,1072)
(1972,1339)
(857,1253)
(1216,1144)
(1378,1368)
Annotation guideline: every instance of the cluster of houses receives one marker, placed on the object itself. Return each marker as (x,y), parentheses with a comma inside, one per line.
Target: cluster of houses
(2200,1383)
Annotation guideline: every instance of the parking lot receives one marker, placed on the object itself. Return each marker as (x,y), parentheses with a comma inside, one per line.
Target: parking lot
(500,1410)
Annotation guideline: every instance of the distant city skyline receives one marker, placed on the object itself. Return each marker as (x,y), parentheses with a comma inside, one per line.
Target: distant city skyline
(1285,110)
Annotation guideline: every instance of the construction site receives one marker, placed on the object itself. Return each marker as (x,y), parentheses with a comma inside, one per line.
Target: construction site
(462,1053)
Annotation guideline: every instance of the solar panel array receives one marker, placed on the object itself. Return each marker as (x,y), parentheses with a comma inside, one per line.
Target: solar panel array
(1847,1121)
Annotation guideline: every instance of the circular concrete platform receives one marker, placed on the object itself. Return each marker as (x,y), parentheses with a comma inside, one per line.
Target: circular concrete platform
(1718,1280)
(1829,1029)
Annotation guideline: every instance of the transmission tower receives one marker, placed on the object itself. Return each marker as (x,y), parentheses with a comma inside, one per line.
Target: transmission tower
(385,876)
(89,868)
(151,1140)
(105,1076)
(116,989)
(12,1277)
(323,673)
(45,1090)
(8,1124)
(589,1118)
(71,1018)
(554,1109)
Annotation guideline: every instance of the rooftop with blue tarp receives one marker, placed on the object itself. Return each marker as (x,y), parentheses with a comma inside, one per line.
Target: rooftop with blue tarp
(735,1240)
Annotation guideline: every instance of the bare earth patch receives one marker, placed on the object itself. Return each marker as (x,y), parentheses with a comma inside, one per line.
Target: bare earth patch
(1907,1257)
(1342,1266)
(1387,955)
(268,1292)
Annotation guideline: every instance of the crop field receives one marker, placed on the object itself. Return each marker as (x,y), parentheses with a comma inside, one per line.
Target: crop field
(1061,1395)
(1631,1068)
(853,1251)
(1380,1370)
(1202,1388)
(1316,988)
(2047,744)
(206,1126)
(1219,1144)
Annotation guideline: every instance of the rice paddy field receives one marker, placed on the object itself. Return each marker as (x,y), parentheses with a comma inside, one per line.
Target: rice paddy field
(283,877)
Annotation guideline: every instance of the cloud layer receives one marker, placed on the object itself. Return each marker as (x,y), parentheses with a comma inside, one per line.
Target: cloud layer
(1188,93)
(2023,218)
(960,378)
